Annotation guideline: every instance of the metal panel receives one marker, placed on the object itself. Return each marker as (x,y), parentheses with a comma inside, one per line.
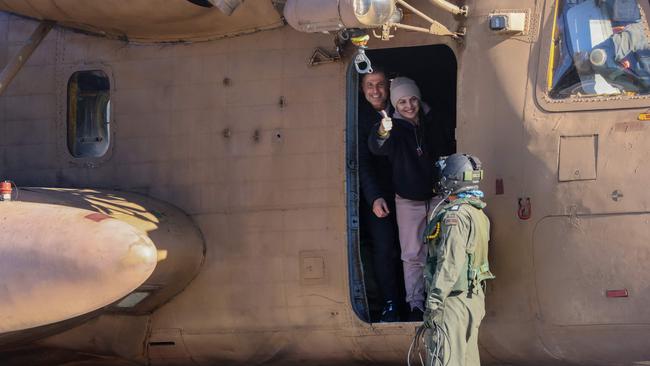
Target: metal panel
(150,20)
(576,263)
(578,158)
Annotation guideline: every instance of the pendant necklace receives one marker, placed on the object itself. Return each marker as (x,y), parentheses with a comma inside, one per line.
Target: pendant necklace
(417,142)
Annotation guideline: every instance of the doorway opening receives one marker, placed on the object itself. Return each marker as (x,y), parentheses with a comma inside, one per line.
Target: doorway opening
(434,69)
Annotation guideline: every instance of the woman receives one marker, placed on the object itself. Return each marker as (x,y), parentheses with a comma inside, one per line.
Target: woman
(413,142)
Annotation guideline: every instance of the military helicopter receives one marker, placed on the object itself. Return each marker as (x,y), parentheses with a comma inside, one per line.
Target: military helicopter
(181,183)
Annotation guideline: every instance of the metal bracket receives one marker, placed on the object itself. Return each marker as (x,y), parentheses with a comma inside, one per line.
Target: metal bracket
(436,28)
(385,33)
(17,62)
(454,9)
(362,63)
(525,209)
(321,56)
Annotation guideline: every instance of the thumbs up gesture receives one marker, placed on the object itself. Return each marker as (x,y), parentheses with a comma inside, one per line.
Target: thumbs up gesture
(386,124)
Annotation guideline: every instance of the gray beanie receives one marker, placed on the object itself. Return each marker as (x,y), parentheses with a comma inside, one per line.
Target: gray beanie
(403,87)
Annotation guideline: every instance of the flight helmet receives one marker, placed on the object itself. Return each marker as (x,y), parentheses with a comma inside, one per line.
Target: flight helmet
(458,173)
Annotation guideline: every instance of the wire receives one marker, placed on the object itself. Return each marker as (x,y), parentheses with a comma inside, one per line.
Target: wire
(415,345)
(429,218)
(446,348)
(436,355)
(433,212)
(15,185)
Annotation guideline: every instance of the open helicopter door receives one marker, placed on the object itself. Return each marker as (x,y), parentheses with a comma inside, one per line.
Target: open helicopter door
(434,69)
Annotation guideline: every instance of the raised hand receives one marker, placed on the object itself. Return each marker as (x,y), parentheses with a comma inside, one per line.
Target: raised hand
(386,124)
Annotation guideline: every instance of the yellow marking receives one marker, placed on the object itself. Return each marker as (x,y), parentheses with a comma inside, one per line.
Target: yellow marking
(549,81)
(644,116)
(162,254)
(436,233)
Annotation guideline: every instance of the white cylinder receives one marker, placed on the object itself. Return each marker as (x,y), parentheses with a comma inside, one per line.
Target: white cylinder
(332,15)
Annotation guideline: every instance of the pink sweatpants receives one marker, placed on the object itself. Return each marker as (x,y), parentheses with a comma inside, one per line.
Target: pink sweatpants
(411,222)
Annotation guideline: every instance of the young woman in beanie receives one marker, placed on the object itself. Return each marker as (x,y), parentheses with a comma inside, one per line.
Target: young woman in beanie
(413,142)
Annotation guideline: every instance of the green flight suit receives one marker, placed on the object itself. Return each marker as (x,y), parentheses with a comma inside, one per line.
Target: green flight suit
(457,239)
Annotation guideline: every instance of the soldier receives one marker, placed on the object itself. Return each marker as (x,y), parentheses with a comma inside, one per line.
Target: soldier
(457,237)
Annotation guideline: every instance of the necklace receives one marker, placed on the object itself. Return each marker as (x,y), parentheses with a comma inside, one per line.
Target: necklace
(417,142)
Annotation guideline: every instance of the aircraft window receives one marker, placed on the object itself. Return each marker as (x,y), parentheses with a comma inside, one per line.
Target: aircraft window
(600,48)
(88,114)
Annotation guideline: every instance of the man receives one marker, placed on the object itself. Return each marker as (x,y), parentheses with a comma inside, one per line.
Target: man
(457,265)
(377,209)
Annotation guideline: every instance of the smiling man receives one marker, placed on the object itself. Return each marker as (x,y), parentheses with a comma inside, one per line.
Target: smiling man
(377,208)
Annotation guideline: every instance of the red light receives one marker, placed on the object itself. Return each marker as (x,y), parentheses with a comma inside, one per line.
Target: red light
(5,187)
(5,191)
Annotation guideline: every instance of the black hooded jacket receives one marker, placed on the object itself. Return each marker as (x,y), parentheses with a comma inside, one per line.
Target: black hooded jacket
(375,172)
(414,174)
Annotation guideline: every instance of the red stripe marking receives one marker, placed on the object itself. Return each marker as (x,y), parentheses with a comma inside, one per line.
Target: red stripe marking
(97,217)
(617,293)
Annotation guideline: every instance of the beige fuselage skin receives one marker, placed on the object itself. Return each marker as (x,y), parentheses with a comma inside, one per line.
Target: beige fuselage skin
(248,140)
